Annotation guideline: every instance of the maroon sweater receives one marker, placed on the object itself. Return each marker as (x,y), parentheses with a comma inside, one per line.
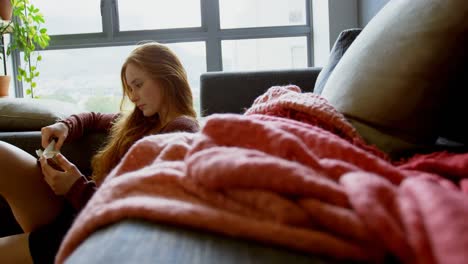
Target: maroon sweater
(78,125)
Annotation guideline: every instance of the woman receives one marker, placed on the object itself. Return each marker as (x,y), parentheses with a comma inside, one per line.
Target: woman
(44,200)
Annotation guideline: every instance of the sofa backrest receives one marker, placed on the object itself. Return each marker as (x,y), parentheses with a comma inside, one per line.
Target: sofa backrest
(233,92)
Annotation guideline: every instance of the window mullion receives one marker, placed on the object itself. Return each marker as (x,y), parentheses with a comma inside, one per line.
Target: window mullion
(110,20)
(16,61)
(264,32)
(310,36)
(210,22)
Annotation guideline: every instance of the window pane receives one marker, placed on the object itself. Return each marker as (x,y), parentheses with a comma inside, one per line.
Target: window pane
(8,70)
(261,13)
(91,77)
(264,54)
(158,14)
(193,57)
(71,17)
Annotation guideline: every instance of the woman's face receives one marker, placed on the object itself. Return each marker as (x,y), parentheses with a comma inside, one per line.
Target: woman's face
(143,91)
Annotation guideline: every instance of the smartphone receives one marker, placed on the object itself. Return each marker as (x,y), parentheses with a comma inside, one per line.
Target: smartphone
(54,164)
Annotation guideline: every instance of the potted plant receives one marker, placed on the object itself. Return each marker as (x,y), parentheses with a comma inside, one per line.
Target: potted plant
(5,9)
(5,27)
(27,34)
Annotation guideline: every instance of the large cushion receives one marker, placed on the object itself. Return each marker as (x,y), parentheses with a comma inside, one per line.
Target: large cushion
(393,83)
(25,114)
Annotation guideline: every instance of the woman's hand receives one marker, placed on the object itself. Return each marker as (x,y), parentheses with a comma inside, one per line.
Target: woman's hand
(57,130)
(60,181)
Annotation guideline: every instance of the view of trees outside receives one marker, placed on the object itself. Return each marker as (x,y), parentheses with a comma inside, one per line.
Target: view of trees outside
(90,77)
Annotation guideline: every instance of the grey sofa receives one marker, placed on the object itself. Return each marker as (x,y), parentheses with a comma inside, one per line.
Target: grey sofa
(139,241)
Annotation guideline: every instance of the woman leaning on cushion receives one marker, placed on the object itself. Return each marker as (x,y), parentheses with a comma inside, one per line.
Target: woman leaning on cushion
(45,200)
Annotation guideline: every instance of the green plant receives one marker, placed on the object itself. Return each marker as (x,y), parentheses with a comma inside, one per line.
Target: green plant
(5,27)
(27,34)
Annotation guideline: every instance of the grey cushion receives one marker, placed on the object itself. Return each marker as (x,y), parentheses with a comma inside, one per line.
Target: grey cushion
(394,80)
(25,114)
(452,129)
(233,92)
(342,44)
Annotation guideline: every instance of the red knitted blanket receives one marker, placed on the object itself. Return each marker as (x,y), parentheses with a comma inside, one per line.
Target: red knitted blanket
(292,172)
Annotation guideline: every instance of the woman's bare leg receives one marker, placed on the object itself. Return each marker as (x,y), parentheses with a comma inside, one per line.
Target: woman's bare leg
(22,184)
(15,249)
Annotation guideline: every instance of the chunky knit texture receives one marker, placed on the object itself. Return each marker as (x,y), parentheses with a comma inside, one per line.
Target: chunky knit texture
(309,185)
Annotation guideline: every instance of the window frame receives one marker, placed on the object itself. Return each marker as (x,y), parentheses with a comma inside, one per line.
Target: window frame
(210,32)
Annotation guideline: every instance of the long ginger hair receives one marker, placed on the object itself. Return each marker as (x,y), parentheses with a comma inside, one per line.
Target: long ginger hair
(159,62)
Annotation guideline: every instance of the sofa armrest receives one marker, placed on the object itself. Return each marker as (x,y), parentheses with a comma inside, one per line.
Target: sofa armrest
(139,241)
(232,92)
(79,152)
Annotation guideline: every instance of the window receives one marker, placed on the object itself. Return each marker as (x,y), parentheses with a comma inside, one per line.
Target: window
(158,14)
(90,77)
(262,13)
(208,35)
(193,57)
(65,17)
(264,54)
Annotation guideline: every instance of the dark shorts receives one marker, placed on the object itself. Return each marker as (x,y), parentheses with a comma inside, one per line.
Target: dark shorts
(45,241)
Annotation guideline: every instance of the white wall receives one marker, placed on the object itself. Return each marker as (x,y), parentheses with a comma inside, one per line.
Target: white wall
(330,17)
(367,9)
(321,32)
(343,15)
